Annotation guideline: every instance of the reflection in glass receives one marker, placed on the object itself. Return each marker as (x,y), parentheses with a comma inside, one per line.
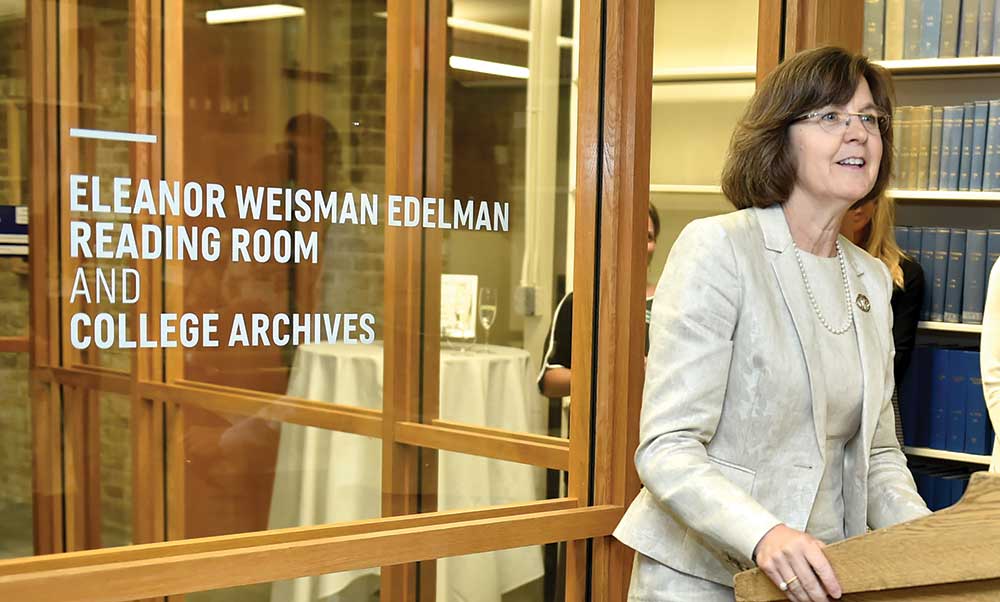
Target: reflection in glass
(700,88)
(502,576)
(292,103)
(509,124)
(15,457)
(115,470)
(487,310)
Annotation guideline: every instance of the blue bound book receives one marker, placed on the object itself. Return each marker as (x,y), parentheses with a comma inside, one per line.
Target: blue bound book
(956,487)
(978,144)
(930,31)
(985,45)
(941,242)
(902,237)
(927,264)
(950,17)
(913,249)
(940,492)
(937,132)
(874,29)
(976,416)
(911,31)
(955,276)
(996,28)
(974,289)
(991,161)
(965,166)
(957,392)
(923,482)
(968,31)
(992,249)
(951,151)
(940,388)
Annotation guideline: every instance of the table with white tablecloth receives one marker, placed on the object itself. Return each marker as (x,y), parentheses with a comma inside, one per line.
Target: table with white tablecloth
(329,477)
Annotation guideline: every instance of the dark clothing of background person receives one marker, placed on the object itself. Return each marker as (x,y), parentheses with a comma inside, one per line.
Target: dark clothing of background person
(559,342)
(905,304)
(905,314)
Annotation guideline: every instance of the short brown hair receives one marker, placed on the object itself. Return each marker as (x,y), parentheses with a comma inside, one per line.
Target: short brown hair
(760,169)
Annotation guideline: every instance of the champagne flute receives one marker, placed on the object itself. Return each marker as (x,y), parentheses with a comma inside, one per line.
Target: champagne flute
(487,310)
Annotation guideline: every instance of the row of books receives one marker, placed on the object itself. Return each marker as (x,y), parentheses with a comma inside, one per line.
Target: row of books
(941,402)
(948,148)
(926,29)
(956,263)
(940,487)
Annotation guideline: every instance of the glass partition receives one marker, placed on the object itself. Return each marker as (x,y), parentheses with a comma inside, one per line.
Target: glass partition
(700,88)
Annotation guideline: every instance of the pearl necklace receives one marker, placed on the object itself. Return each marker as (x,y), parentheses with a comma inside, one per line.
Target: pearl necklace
(812,298)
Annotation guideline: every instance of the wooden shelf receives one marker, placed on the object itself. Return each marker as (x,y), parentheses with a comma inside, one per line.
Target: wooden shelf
(944,195)
(931,67)
(940,454)
(705,74)
(951,327)
(686,188)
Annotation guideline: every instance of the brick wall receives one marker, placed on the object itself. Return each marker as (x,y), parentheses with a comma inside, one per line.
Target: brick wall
(352,278)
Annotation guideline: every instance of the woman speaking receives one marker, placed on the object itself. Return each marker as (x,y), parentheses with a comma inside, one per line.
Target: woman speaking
(767,427)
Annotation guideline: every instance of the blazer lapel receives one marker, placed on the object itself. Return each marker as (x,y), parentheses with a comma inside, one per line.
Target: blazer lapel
(869,348)
(778,239)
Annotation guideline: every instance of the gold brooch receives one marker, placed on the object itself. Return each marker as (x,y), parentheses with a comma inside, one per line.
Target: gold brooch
(863,303)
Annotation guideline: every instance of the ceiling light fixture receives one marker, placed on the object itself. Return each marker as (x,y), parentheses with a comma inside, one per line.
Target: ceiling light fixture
(260,12)
(489,29)
(465,63)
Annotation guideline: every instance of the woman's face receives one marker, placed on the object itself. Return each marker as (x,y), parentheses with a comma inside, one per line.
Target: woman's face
(857,219)
(650,240)
(841,165)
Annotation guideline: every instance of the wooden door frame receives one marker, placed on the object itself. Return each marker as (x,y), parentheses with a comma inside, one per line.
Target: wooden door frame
(612,196)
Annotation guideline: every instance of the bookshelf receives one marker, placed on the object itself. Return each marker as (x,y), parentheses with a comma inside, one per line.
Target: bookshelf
(946,66)
(944,195)
(951,327)
(704,74)
(945,111)
(940,454)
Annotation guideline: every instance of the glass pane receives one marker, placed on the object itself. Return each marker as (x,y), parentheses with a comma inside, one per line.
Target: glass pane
(105,99)
(297,104)
(116,470)
(250,474)
(515,575)
(16,537)
(509,125)
(528,574)
(700,88)
(14,167)
(466,481)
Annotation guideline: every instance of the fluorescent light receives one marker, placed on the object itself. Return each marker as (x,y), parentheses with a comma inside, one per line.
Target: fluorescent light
(500,31)
(260,12)
(489,29)
(464,63)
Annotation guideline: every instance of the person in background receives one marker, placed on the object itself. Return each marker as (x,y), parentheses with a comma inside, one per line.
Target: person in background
(767,427)
(870,224)
(554,377)
(989,358)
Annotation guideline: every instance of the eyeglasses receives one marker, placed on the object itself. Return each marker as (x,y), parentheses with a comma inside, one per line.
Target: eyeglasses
(835,122)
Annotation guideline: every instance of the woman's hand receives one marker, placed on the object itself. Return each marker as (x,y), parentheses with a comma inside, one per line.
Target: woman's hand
(796,559)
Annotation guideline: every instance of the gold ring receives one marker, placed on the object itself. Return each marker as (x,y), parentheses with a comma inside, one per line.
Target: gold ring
(783,586)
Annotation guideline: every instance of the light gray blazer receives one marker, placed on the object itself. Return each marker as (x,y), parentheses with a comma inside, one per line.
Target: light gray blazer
(733,429)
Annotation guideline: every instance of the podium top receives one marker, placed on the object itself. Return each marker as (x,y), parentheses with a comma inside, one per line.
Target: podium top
(951,555)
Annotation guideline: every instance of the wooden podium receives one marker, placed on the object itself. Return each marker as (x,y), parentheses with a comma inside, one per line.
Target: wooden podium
(950,556)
